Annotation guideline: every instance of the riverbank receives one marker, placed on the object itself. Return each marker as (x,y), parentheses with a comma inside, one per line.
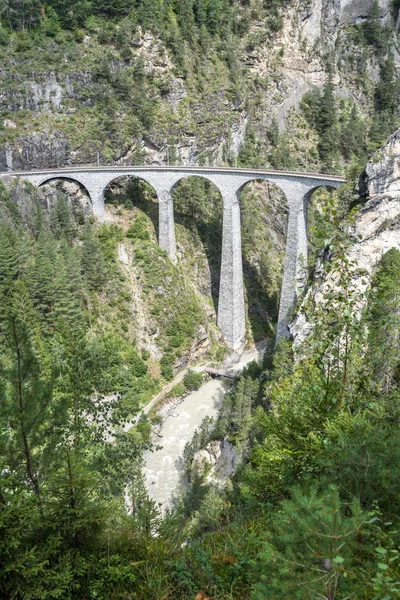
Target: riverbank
(163,467)
(234,362)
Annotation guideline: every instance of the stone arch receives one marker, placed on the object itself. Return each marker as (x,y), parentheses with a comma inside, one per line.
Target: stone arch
(259,178)
(198,205)
(77,180)
(264,211)
(315,202)
(210,178)
(81,206)
(130,176)
(330,186)
(133,195)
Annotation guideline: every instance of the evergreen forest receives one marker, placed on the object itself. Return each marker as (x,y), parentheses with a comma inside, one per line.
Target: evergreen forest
(96,321)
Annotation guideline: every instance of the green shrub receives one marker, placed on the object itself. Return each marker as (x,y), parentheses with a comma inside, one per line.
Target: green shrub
(177,391)
(144,428)
(166,367)
(192,380)
(145,354)
(138,229)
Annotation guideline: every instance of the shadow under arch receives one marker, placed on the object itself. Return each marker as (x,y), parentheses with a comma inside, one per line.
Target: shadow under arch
(61,179)
(131,191)
(198,207)
(322,212)
(264,219)
(79,207)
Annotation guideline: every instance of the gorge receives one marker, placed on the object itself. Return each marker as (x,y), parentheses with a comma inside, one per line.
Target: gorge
(181,182)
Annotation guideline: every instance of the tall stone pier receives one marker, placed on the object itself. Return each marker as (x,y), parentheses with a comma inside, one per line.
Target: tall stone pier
(297,188)
(231,309)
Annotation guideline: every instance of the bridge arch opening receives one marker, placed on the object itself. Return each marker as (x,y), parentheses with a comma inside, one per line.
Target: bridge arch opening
(324,210)
(73,191)
(127,197)
(198,209)
(264,219)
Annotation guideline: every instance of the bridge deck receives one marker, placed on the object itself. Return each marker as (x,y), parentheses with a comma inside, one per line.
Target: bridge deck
(180,169)
(221,373)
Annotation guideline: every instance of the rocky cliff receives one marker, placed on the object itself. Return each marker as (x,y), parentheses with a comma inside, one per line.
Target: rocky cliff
(64,101)
(372,230)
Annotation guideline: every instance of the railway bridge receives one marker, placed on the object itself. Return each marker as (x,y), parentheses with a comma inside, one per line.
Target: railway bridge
(297,187)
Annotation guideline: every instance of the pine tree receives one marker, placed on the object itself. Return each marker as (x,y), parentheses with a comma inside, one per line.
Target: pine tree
(314,542)
(373,30)
(200,12)
(353,135)
(186,20)
(213,16)
(383,318)
(63,300)
(327,126)
(114,8)
(75,287)
(9,267)
(27,396)
(92,261)
(148,13)
(42,273)
(60,216)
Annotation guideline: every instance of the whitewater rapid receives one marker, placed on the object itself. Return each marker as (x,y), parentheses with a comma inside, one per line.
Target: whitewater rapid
(163,467)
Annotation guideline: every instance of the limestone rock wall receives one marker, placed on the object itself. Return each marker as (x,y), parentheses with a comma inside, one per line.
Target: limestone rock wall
(203,124)
(218,460)
(375,228)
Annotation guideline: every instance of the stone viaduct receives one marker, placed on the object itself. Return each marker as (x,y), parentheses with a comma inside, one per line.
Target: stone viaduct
(297,187)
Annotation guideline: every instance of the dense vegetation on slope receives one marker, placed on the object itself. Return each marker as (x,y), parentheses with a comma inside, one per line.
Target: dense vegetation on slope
(312,512)
(126,79)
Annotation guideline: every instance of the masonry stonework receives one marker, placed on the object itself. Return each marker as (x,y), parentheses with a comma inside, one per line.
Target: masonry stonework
(297,187)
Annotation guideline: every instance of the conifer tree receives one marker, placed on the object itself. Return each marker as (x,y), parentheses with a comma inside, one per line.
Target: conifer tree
(383,318)
(8,259)
(92,261)
(353,135)
(61,221)
(186,19)
(327,126)
(200,12)
(63,300)
(42,272)
(27,395)
(373,30)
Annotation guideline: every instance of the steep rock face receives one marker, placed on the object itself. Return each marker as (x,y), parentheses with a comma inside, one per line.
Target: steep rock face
(296,63)
(355,11)
(219,459)
(202,125)
(40,150)
(25,199)
(375,228)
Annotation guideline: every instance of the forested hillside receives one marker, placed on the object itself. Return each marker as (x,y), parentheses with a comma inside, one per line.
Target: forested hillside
(313,509)
(95,319)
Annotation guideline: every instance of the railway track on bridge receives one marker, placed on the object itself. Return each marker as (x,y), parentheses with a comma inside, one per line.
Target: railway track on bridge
(176,168)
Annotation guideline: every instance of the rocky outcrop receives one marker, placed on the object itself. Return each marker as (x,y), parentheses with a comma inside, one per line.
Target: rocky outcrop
(374,229)
(27,199)
(218,461)
(296,63)
(192,125)
(356,11)
(40,150)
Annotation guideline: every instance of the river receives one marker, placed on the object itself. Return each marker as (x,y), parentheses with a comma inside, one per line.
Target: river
(163,467)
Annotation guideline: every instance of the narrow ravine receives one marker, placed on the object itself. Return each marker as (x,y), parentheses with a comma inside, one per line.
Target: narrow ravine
(163,467)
